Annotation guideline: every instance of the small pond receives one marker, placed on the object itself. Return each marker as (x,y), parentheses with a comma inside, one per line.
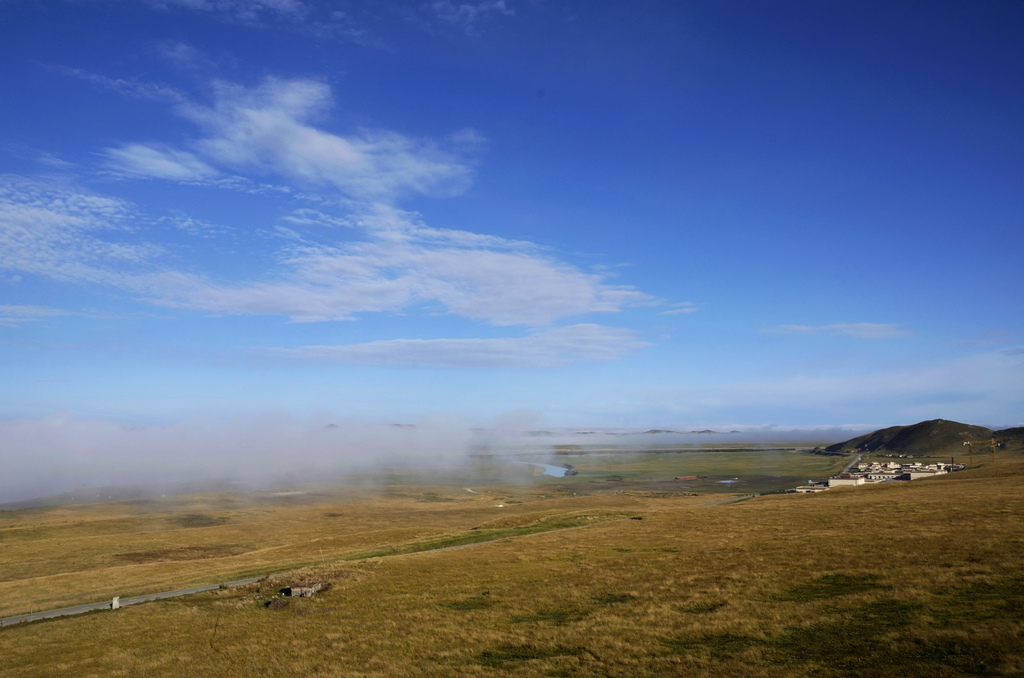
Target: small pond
(549,470)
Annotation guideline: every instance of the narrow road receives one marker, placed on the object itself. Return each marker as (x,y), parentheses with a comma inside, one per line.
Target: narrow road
(124,602)
(729,501)
(851,464)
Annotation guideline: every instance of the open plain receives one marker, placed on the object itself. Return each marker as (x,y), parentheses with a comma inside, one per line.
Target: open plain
(603,573)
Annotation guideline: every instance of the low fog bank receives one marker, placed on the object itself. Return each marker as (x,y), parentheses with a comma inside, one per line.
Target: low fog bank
(59,453)
(56,454)
(642,438)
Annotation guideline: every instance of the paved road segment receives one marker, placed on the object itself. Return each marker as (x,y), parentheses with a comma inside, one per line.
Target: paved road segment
(124,602)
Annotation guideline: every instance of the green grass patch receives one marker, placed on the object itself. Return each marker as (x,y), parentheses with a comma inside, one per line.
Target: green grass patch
(477,536)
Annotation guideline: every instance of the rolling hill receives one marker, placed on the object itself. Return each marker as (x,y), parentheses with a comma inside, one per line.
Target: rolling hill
(933,437)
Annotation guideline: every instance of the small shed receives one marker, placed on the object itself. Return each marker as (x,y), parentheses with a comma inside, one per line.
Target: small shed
(303,590)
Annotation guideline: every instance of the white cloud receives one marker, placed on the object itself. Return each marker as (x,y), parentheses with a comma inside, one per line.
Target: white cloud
(158,163)
(268,130)
(67,234)
(547,348)
(856,330)
(335,283)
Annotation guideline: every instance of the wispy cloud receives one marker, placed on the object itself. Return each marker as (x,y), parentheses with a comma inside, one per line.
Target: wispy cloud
(129,87)
(320,20)
(267,130)
(680,308)
(390,223)
(158,163)
(335,283)
(250,12)
(856,330)
(54,230)
(67,234)
(467,16)
(547,348)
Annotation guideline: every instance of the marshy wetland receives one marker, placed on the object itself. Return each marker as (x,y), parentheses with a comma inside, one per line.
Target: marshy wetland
(617,571)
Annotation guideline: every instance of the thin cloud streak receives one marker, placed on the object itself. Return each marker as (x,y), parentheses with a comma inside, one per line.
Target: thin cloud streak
(549,348)
(247,12)
(855,330)
(684,307)
(154,162)
(15,316)
(467,15)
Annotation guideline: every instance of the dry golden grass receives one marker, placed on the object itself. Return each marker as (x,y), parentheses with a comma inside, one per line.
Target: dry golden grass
(909,579)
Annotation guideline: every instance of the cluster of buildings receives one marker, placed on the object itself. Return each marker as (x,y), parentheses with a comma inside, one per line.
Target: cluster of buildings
(878,472)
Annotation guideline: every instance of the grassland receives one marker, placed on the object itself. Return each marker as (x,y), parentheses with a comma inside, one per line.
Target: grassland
(909,579)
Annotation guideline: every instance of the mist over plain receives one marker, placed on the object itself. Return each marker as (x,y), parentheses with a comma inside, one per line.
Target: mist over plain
(57,453)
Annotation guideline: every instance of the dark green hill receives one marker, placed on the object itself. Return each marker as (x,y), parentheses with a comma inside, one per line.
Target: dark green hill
(935,437)
(1011,438)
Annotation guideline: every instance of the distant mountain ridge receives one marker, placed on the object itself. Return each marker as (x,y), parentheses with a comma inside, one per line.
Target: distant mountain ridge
(927,437)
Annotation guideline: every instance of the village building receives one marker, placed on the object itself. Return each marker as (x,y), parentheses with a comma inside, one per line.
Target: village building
(877,472)
(809,489)
(844,479)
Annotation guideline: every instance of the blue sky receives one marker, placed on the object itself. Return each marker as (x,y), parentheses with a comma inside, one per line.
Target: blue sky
(596,213)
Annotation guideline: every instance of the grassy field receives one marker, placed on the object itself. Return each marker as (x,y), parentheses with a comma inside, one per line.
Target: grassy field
(909,579)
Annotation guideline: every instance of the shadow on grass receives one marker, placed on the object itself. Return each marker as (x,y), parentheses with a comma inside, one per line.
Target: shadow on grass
(612,598)
(869,640)
(513,653)
(718,646)
(851,643)
(558,617)
(468,604)
(826,586)
(703,608)
(1001,598)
